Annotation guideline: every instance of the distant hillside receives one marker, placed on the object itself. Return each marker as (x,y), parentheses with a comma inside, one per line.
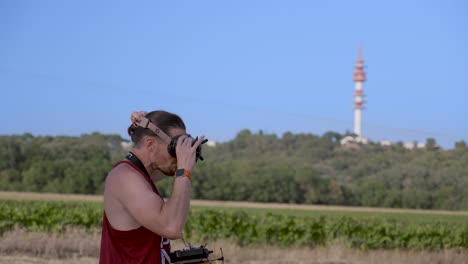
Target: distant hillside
(293,168)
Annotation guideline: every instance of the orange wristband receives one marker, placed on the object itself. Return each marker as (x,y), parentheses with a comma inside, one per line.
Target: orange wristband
(183,172)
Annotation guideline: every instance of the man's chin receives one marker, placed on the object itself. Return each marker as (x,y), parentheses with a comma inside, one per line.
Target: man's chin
(169,173)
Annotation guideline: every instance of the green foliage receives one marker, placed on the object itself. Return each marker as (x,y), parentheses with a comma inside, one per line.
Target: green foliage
(293,168)
(311,231)
(57,164)
(49,216)
(309,169)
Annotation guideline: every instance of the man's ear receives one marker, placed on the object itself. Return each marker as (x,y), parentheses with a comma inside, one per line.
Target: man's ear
(149,142)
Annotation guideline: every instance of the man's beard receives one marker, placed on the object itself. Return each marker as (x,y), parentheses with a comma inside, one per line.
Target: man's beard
(166,171)
(169,172)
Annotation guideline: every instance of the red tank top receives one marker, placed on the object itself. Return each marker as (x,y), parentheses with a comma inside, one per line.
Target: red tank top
(138,245)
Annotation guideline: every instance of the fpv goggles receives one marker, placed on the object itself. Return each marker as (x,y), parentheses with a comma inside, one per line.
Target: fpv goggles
(171,148)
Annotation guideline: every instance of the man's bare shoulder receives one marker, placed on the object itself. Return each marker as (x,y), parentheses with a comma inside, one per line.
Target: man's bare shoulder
(124,176)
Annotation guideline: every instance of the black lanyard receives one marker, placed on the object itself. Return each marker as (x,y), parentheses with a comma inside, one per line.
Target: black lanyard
(137,162)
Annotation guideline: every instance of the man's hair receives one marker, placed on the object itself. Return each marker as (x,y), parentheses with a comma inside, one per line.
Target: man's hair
(162,119)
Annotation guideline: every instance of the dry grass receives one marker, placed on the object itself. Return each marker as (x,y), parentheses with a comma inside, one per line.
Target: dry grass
(70,244)
(78,246)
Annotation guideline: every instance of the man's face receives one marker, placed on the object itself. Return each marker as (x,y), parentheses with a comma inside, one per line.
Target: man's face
(164,161)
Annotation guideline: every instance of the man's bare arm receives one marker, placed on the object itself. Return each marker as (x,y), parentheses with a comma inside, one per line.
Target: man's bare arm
(149,210)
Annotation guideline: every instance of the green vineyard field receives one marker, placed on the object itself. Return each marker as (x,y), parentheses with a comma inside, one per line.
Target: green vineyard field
(246,228)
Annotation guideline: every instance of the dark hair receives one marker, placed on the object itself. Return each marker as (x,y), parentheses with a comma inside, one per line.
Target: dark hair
(162,119)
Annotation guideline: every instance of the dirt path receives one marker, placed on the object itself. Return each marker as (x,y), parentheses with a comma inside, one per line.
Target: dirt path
(35,260)
(98,198)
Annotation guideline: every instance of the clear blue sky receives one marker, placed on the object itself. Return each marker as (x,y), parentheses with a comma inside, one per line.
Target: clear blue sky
(74,67)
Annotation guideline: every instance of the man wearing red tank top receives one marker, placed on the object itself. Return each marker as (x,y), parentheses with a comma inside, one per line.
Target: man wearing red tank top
(137,222)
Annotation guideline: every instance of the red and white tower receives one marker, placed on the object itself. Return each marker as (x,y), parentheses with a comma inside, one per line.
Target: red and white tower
(359,77)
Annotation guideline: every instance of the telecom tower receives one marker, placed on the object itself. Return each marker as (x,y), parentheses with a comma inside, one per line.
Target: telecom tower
(359,99)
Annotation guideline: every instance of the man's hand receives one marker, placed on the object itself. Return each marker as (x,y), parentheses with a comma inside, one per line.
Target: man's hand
(135,116)
(186,153)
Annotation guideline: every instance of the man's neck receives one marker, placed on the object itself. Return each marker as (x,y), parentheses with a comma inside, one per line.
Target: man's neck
(144,158)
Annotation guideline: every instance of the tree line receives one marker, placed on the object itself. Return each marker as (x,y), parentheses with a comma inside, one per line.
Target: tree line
(291,168)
